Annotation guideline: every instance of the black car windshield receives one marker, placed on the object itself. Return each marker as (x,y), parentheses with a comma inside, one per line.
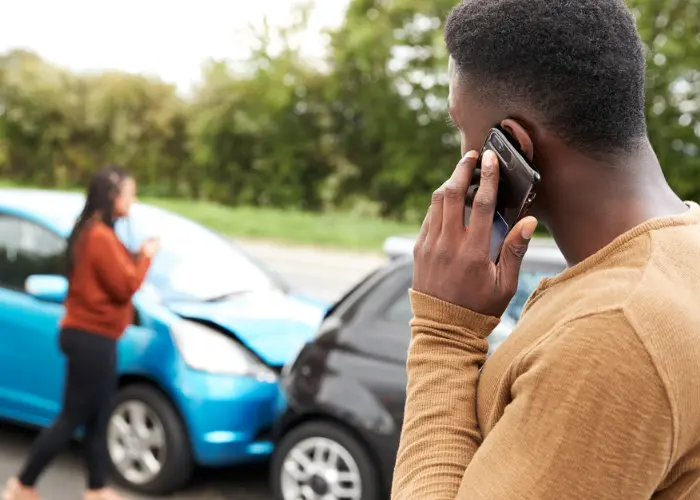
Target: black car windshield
(194,263)
(527,282)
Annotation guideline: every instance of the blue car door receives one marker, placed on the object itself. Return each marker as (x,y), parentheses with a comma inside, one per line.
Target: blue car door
(31,364)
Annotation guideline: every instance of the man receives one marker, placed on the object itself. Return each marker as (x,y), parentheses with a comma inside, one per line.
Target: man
(596,395)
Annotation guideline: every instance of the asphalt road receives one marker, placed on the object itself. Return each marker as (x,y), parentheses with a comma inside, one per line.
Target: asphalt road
(323,274)
(317,273)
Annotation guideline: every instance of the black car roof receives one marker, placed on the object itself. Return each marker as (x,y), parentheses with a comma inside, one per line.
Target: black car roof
(540,258)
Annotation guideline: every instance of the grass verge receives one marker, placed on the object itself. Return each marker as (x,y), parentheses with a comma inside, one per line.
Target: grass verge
(332,229)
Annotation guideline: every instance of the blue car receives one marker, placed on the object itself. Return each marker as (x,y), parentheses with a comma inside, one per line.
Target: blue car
(198,366)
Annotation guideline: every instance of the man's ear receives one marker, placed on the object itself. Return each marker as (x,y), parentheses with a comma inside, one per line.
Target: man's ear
(520,134)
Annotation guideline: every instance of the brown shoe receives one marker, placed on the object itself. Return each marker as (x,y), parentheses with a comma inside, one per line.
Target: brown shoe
(14,490)
(103,494)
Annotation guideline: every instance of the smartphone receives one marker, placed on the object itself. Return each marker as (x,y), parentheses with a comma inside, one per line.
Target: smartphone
(518,179)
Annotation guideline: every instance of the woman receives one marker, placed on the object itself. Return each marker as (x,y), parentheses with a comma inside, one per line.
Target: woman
(103,276)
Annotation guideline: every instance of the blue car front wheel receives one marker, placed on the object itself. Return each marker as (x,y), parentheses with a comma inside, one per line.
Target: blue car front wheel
(147,441)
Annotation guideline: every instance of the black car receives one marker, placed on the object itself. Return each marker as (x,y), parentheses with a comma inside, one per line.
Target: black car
(345,391)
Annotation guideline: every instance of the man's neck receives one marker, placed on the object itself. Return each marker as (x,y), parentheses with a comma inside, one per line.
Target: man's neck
(595,210)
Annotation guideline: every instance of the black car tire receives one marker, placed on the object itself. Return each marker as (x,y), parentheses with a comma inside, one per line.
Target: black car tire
(178,466)
(334,432)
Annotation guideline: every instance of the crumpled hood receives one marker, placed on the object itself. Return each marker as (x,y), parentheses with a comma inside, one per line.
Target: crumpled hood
(271,324)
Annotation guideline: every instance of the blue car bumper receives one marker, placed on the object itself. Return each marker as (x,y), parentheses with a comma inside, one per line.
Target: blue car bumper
(229,418)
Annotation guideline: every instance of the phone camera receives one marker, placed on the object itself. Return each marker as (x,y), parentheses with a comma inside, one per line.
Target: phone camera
(496,143)
(501,148)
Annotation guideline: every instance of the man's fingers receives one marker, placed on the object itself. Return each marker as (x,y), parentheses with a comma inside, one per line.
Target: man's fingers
(435,213)
(424,228)
(456,194)
(484,205)
(513,252)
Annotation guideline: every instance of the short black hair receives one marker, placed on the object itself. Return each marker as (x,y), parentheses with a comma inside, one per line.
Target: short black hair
(579,65)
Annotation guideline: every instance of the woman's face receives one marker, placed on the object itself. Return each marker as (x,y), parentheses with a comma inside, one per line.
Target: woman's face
(125,198)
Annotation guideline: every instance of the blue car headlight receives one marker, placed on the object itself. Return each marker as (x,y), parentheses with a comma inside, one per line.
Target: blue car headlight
(210,351)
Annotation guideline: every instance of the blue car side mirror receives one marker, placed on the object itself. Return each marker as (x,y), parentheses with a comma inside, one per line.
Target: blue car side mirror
(48,287)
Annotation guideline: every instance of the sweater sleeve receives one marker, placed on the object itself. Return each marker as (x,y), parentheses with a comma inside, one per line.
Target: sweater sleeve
(440,432)
(588,417)
(118,273)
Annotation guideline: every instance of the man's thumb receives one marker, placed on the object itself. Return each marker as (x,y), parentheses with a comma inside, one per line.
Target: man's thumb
(515,246)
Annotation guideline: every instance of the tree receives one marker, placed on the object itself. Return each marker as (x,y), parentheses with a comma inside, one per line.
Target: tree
(390,89)
(671,33)
(258,130)
(364,131)
(58,127)
(388,99)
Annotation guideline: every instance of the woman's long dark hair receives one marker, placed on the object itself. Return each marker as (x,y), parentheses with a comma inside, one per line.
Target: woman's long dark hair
(99,205)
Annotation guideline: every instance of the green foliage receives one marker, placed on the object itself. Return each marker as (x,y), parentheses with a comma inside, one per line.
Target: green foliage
(363,132)
(671,33)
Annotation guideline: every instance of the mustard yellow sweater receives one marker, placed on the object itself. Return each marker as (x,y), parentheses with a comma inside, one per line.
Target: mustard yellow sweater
(595,396)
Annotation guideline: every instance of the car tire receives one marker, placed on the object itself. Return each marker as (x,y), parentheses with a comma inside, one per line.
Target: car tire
(301,438)
(174,456)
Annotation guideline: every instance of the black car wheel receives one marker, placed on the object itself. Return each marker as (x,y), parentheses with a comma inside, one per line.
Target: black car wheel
(322,460)
(148,447)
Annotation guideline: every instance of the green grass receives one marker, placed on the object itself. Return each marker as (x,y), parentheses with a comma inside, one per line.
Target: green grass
(333,229)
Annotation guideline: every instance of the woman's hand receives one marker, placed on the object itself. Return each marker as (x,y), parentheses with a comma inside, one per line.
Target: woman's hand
(453,263)
(150,247)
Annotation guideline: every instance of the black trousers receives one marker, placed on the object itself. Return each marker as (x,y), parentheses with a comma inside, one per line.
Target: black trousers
(90,383)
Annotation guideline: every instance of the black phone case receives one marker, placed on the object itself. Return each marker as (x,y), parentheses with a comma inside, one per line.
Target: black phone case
(517,180)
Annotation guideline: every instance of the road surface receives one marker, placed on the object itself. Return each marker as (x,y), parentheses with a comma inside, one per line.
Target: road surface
(318,273)
(321,273)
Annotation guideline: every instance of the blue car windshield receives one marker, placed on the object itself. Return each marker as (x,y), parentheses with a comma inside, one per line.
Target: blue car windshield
(194,263)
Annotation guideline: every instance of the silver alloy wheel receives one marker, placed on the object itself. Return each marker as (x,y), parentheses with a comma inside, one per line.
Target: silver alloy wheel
(136,441)
(319,468)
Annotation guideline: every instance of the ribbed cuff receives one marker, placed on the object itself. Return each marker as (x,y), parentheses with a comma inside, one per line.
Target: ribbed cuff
(428,308)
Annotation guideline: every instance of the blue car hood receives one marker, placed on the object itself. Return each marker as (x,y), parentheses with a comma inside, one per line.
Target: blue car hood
(271,324)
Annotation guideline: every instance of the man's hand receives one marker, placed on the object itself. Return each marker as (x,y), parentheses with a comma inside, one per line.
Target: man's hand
(453,263)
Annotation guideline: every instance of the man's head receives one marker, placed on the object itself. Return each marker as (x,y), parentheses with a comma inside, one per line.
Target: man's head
(569,74)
